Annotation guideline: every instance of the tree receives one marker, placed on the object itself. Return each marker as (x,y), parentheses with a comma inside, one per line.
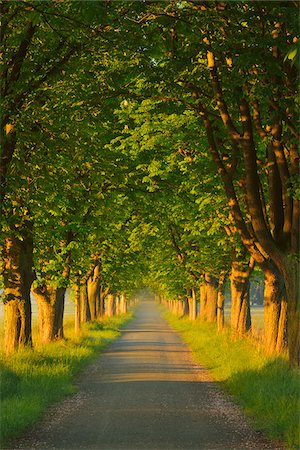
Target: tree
(243,86)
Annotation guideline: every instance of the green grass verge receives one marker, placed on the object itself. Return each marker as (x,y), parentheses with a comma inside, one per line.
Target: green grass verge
(31,380)
(265,386)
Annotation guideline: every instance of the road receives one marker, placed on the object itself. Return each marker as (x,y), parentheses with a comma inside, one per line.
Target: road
(145,392)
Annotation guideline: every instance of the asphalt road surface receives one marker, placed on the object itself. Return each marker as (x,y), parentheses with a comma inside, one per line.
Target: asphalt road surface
(145,392)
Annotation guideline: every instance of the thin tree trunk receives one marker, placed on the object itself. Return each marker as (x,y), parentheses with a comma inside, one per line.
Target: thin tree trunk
(92,297)
(212,297)
(85,309)
(123,304)
(117,305)
(203,301)
(77,307)
(102,294)
(220,303)
(282,327)
(192,304)
(179,308)
(59,313)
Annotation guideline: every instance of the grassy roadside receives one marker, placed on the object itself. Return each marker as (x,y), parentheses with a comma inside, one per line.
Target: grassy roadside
(265,386)
(32,380)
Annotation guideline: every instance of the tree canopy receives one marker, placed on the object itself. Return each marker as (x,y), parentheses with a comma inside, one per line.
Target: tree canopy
(156,140)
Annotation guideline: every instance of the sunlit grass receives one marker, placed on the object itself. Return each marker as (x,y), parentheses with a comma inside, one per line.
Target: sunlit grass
(265,386)
(31,380)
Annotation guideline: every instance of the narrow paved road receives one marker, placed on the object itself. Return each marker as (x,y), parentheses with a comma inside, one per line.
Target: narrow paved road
(145,392)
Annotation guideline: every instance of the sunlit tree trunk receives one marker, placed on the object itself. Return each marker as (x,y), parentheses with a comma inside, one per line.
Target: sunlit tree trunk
(84,304)
(93,284)
(117,305)
(110,305)
(203,301)
(18,276)
(192,304)
(123,304)
(212,297)
(274,309)
(77,307)
(220,303)
(50,302)
(240,297)
(293,311)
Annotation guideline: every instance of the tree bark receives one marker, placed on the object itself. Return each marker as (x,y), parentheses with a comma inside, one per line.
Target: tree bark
(220,304)
(203,301)
(110,305)
(240,302)
(117,305)
(123,304)
(77,308)
(180,308)
(212,297)
(85,309)
(93,284)
(275,309)
(18,276)
(282,327)
(192,304)
(102,293)
(185,306)
(50,302)
(292,287)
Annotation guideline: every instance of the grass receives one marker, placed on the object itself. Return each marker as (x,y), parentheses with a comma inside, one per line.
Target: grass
(264,385)
(31,380)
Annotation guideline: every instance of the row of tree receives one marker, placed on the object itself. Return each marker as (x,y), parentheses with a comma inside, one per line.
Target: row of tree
(155,143)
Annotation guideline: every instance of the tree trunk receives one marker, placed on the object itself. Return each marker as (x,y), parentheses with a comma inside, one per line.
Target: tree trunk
(59,313)
(123,304)
(292,287)
(18,276)
(274,314)
(101,299)
(203,301)
(110,305)
(240,290)
(117,305)
(212,297)
(92,298)
(192,304)
(50,302)
(93,284)
(84,304)
(282,327)
(77,307)
(185,306)
(220,303)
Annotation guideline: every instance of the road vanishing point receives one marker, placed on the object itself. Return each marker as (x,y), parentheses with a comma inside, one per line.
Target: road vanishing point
(145,392)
